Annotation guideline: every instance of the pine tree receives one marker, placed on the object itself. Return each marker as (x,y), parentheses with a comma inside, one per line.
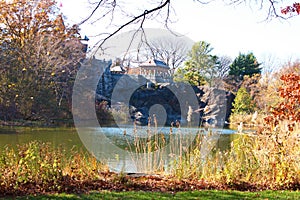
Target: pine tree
(244,64)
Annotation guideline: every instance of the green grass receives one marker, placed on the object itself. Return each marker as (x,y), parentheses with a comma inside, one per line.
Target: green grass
(206,194)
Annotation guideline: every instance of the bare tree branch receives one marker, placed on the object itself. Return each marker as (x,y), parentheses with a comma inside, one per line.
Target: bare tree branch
(113,7)
(93,12)
(141,16)
(172,51)
(272,10)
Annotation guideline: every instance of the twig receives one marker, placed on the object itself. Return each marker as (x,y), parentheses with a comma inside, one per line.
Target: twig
(143,15)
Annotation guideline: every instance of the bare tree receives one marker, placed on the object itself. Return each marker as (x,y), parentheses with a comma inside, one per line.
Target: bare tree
(173,51)
(223,66)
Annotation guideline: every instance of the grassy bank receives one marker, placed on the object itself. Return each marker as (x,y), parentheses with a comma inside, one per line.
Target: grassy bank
(205,194)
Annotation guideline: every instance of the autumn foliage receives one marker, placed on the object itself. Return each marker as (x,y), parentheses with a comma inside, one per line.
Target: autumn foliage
(289,108)
(295,8)
(39,56)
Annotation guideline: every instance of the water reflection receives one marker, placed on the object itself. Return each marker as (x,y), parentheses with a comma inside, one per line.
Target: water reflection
(124,148)
(147,149)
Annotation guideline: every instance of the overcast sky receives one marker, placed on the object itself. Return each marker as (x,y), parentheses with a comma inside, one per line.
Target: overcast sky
(229,29)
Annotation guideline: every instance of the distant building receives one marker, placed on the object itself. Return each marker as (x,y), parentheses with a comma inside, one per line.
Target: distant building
(117,67)
(154,70)
(117,70)
(151,66)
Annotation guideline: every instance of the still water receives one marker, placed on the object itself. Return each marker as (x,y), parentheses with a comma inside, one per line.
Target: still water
(116,145)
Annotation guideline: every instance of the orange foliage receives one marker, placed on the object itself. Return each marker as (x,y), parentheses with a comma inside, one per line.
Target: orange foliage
(289,108)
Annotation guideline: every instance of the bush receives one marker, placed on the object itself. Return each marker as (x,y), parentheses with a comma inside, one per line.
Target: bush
(289,109)
(243,102)
(267,159)
(40,164)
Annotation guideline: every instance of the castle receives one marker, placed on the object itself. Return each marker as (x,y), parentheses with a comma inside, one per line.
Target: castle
(144,74)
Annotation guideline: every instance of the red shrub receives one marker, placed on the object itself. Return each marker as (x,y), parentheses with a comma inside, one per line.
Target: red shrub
(289,108)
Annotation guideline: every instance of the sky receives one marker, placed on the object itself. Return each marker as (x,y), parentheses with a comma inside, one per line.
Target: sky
(229,29)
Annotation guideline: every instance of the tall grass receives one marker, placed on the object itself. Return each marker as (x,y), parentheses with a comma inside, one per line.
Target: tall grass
(248,121)
(269,159)
(41,164)
(202,160)
(162,153)
(148,150)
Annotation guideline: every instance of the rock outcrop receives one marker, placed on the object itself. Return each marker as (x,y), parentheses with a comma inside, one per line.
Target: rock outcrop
(170,103)
(213,108)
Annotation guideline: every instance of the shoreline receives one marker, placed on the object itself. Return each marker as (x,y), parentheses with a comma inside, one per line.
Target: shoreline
(29,123)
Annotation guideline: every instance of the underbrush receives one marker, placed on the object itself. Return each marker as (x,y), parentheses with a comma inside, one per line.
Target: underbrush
(267,160)
(250,121)
(39,166)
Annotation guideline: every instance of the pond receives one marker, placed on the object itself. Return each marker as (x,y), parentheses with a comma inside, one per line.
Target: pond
(123,148)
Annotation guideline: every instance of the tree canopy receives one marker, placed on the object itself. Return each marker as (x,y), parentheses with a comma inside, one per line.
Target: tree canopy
(200,65)
(244,64)
(39,55)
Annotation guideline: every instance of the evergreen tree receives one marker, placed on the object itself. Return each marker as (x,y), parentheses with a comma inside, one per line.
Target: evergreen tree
(244,64)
